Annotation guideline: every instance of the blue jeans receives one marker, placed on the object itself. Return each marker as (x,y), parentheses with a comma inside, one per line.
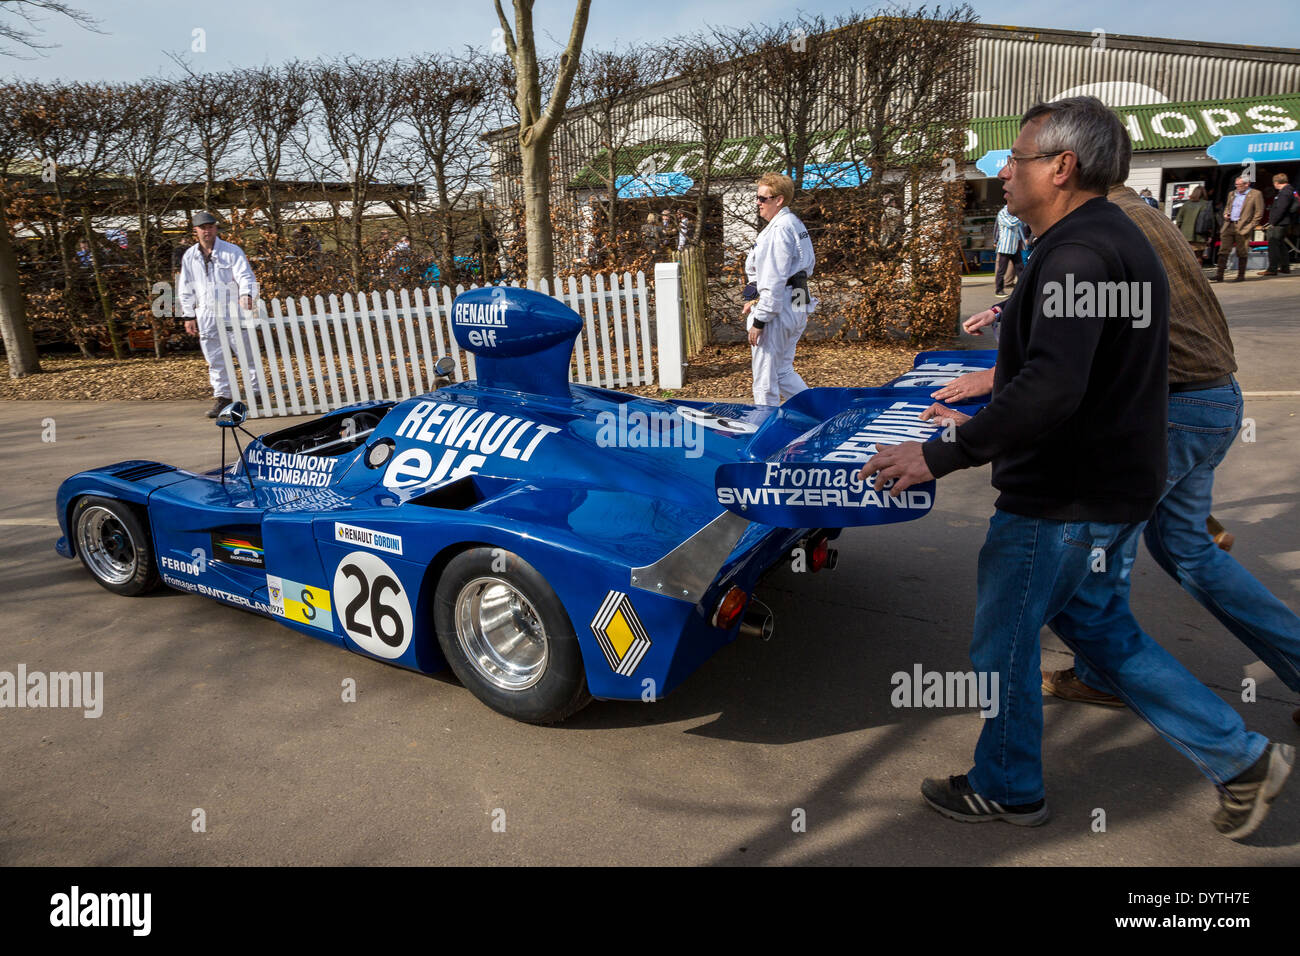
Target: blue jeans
(1032,572)
(1202,427)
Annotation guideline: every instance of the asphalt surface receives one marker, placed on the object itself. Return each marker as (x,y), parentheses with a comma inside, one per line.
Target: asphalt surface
(209,708)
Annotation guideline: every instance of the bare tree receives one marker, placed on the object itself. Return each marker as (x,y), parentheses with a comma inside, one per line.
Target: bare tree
(46,123)
(210,111)
(713,95)
(446,100)
(799,66)
(148,156)
(19,346)
(277,108)
(99,111)
(18,22)
(610,84)
(537,125)
(359,104)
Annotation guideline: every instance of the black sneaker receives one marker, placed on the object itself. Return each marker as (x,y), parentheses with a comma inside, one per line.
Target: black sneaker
(955,799)
(1243,808)
(218,404)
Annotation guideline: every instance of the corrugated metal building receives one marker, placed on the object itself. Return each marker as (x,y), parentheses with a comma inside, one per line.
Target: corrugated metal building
(1177,97)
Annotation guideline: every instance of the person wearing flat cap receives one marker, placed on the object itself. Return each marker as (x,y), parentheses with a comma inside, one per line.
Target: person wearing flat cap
(216,284)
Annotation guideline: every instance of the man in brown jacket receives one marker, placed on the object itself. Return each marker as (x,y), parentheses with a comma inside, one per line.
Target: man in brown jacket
(1241,214)
(1205,413)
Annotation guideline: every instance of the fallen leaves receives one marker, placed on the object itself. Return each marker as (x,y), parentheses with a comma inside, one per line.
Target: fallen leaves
(719,372)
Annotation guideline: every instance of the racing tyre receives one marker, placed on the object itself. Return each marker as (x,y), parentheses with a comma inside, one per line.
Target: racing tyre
(507,637)
(113,543)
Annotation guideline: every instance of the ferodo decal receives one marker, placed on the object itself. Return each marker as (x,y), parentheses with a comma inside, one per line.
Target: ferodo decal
(245,548)
(467,437)
(304,603)
(375,610)
(620,634)
(379,540)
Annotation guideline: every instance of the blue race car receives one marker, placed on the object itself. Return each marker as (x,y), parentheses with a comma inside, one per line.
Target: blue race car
(551,542)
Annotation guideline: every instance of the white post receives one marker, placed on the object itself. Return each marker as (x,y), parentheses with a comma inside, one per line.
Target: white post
(668,323)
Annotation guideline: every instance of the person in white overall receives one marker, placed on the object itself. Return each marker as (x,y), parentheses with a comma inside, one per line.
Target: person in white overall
(214,273)
(779,314)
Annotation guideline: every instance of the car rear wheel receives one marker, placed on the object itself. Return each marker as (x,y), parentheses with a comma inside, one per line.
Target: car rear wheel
(507,637)
(114,545)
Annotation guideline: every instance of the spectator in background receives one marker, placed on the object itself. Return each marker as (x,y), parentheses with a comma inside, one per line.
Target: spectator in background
(305,245)
(1281,216)
(779,267)
(1149,199)
(1241,214)
(83,254)
(651,235)
(683,233)
(1192,218)
(216,285)
(667,229)
(1009,245)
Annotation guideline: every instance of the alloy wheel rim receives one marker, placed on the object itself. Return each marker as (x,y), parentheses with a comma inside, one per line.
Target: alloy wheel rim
(107,545)
(501,633)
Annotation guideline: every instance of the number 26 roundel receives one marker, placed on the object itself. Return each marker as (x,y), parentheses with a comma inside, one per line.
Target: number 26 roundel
(373,605)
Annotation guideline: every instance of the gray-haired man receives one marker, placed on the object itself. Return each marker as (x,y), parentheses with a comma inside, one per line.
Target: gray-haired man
(1076,432)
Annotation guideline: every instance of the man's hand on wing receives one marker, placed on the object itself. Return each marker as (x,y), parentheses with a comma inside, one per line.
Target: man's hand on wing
(970,385)
(942,415)
(903,463)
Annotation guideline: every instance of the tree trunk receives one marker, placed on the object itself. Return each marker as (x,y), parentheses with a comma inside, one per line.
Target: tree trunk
(105,302)
(358,264)
(71,307)
(23,358)
(149,266)
(537,209)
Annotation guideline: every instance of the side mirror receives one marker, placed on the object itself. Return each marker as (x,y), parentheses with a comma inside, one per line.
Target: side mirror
(232,415)
(444,367)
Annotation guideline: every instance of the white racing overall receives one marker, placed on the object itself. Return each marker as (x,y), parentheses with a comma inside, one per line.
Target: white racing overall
(783,249)
(210,290)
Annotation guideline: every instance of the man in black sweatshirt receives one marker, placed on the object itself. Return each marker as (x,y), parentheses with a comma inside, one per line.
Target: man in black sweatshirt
(1076,432)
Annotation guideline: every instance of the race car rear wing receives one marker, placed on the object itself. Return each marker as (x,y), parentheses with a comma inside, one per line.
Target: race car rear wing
(813,480)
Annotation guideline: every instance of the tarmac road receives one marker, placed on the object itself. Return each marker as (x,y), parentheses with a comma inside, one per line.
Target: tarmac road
(209,708)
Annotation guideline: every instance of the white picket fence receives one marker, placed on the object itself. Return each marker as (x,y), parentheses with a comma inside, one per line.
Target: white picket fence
(316,355)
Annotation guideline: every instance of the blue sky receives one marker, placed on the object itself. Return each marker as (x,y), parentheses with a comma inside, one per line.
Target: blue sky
(139,33)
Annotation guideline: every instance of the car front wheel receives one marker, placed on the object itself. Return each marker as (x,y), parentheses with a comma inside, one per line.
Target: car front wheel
(114,545)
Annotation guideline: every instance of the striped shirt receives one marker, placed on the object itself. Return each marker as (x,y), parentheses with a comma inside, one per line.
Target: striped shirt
(1008,233)
(1200,348)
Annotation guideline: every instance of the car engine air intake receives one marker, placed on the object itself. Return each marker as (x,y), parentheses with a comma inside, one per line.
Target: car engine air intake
(522,340)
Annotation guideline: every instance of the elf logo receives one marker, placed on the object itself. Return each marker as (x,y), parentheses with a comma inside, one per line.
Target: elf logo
(74,909)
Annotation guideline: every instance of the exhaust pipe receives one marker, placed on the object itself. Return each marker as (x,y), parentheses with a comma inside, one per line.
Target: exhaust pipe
(758,621)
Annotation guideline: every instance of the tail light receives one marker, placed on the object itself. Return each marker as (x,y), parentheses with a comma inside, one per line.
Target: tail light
(729,609)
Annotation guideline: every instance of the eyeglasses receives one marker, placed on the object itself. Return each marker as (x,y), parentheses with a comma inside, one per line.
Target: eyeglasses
(763,199)
(1013,158)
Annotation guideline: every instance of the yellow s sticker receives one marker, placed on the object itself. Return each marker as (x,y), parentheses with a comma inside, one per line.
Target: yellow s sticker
(304,603)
